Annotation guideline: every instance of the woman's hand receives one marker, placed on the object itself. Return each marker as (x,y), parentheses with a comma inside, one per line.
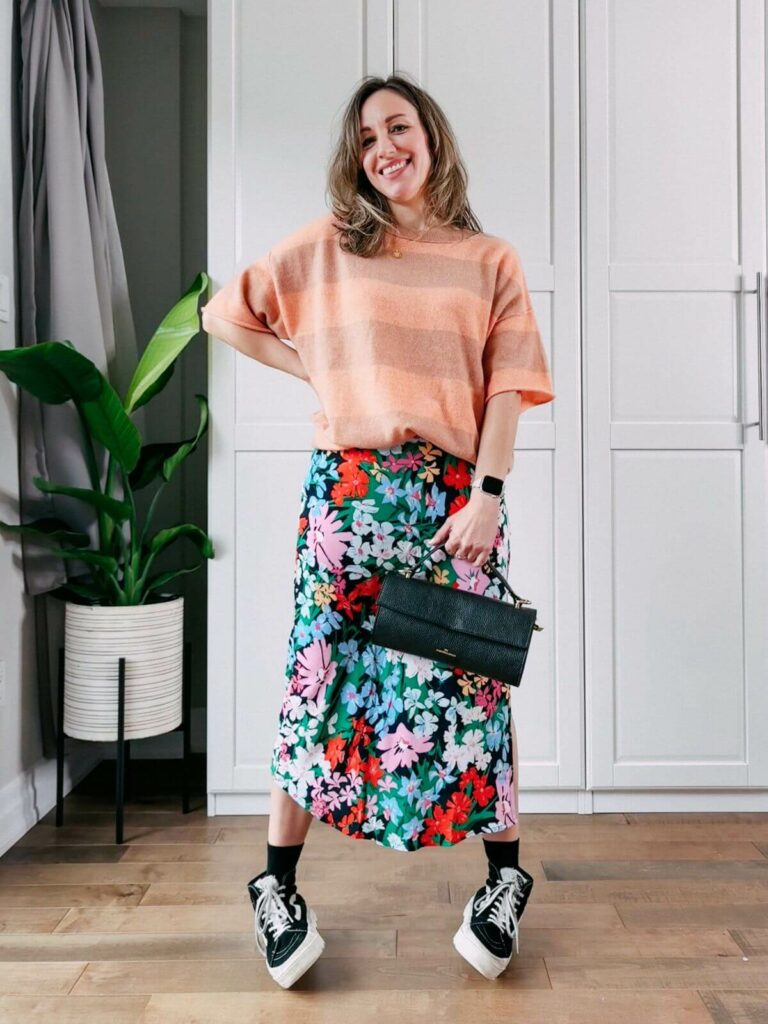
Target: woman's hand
(470,533)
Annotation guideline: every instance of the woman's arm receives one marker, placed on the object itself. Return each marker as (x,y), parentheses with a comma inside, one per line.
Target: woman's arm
(495,454)
(266,348)
(471,532)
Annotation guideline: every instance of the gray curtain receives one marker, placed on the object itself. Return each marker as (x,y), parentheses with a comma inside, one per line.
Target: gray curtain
(72,283)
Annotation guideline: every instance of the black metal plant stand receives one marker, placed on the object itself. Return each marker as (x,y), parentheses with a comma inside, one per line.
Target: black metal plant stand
(123,754)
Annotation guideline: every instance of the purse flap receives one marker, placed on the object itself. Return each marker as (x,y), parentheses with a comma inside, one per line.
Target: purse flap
(460,610)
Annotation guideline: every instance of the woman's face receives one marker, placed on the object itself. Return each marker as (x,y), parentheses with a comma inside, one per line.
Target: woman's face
(391,133)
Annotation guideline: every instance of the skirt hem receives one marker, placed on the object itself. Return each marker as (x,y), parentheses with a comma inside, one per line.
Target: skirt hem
(307,806)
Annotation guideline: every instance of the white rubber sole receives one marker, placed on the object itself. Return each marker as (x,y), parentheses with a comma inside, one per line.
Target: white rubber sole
(307,954)
(474,952)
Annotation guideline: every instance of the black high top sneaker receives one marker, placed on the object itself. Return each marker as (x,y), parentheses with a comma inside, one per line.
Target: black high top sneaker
(285,928)
(490,925)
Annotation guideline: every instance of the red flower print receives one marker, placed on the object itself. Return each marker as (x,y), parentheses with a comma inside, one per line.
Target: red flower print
(460,805)
(483,792)
(457,476)
(362,729)
(458,502)
(427,837)
(444,821)
(303,520)
(356,455)
(334,750)
(354,478)
(354,761)
(368,588)
(372,771)
(339,492)
(356,815)
(346,606)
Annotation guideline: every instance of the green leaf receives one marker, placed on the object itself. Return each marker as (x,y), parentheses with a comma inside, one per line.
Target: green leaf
(170,339)
(90,591)
(55,372)
(52,371)
(165,457)
(109,423)
(161,578)
(117,510)
(163,538)
(155,388)
(89,557)
(49,528)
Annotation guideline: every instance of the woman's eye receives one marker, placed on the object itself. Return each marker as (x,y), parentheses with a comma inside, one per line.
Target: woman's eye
(370,137)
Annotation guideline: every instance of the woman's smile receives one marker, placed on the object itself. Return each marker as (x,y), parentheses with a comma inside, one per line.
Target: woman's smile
(399,166)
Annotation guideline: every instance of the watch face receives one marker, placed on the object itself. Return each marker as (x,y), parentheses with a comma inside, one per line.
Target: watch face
(493,485)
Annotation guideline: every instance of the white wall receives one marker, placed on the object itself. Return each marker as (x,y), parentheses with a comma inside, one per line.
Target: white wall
(19,732)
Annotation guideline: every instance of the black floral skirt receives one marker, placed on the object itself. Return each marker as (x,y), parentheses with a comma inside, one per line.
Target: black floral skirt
(380,744)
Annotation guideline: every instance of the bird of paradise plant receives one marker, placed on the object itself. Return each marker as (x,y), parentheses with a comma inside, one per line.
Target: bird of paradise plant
(120,564)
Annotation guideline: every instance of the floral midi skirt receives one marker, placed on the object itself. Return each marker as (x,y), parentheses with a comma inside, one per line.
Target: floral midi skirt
(380,744)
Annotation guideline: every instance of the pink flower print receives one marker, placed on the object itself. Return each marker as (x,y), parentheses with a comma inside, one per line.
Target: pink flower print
(506,809)
(470,577)
(315,669)
(402,748)
(324,536)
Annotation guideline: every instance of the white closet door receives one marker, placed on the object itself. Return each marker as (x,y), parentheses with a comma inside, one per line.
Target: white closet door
(514,107)
(674,229)
(269,136)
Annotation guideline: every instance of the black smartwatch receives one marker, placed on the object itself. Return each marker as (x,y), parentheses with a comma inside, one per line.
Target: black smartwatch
(489,485)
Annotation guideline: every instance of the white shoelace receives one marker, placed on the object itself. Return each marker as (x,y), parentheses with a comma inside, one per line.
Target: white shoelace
(504,897)
(271,911)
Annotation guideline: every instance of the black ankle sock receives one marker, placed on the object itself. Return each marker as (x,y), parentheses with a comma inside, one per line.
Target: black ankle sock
(502,854)
(282,860)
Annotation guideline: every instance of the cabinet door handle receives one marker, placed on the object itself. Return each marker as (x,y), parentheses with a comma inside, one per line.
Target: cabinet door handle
(760,402)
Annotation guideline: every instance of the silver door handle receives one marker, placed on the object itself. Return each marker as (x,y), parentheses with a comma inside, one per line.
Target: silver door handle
(760,402)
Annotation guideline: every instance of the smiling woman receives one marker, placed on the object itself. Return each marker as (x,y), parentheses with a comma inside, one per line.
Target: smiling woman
(422,364)
(395,154)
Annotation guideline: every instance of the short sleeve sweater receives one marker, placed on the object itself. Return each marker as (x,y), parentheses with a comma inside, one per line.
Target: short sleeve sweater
(397,348)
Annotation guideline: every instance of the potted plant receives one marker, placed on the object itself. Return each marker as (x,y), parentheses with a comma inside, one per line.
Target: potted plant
(118,607)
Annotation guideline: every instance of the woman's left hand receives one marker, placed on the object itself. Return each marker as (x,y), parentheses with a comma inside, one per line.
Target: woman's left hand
(470,533)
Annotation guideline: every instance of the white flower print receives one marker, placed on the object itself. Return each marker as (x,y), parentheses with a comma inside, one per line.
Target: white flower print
(422,668)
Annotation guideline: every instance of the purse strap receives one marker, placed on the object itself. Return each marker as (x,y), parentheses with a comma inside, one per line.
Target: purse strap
(494,572)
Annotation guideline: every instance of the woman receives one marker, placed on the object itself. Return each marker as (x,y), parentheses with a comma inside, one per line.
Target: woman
(416,331)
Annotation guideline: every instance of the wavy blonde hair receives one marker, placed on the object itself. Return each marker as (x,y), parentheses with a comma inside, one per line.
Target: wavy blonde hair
(363,214)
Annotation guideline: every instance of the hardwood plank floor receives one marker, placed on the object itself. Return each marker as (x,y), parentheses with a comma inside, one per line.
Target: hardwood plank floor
(635,918)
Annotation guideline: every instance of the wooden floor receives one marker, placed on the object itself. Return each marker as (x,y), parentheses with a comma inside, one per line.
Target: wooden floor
(634,919)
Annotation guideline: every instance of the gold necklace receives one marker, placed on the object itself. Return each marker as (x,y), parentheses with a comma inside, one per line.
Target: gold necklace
(397,253)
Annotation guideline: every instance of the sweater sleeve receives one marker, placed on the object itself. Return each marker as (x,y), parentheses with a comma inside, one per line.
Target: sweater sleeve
(251,300)
(514,358)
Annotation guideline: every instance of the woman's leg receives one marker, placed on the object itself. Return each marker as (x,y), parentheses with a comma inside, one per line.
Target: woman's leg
(288,821)
(513,832)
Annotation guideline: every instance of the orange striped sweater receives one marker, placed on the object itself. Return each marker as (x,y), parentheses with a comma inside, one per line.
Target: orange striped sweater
(397,348)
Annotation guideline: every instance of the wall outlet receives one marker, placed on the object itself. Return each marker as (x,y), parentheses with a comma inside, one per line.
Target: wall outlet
(2,684)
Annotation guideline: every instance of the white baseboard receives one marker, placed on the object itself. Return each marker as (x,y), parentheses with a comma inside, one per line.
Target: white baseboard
(32,794)
(569,801)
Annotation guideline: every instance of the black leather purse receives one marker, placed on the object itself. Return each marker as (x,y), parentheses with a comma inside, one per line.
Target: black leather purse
(479,634)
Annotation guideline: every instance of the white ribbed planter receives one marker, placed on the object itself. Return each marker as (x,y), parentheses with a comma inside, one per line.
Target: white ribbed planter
(151,639)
